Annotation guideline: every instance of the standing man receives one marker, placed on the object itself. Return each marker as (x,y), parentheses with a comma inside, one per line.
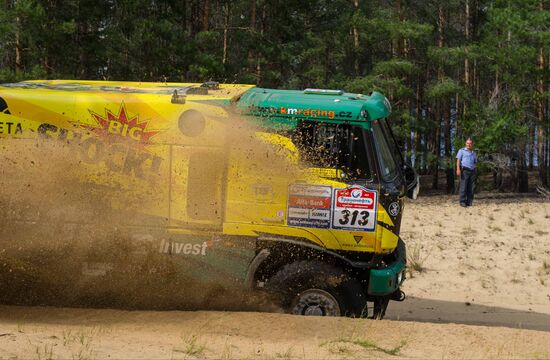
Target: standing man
(466,163)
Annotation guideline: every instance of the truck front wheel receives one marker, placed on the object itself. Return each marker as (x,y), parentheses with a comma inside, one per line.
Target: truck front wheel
(317,289)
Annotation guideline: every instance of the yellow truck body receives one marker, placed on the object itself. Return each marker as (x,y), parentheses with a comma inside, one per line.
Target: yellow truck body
(200,170)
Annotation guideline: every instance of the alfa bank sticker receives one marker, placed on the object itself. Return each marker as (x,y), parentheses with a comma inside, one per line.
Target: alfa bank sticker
(354,208)
(309,205)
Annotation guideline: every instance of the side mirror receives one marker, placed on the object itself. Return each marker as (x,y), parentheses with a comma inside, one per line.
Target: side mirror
(412,181)
(413,193)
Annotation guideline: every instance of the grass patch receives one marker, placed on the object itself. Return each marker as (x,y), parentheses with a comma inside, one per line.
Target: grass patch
(367,345)
(469,231)
(81,341)
(340,347)
(192,346)
(44,352)
(285,355)
(544,271)
(416,260)
(541,232)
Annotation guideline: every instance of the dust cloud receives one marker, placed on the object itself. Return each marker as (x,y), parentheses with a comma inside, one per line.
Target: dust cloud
(75,232)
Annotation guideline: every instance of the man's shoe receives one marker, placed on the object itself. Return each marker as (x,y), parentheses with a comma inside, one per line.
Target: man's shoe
(463,205)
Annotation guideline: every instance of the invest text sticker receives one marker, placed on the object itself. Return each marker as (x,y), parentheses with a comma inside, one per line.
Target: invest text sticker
(309,205)
(354,208)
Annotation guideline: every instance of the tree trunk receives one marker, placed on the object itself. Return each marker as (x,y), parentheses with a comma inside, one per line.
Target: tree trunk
(541,153)
(183,18)
(253,35)
(17,45)
(466,60)
(449,165)
(435,163)
(523,175)
(440,102)
(205,15)
(356,48)
(417,150)
(225,31)
(531,146)
(258,60)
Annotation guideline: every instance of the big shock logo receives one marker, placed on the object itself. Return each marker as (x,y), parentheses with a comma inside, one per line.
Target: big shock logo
(119,144)
(121,125)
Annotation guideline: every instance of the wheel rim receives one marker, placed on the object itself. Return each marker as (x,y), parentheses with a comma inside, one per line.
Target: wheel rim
(316,302)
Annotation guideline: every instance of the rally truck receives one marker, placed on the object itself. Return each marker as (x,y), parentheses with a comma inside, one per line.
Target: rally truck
(311,215)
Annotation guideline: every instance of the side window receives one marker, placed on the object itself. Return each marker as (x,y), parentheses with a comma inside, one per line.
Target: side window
(338,146)
(388,166)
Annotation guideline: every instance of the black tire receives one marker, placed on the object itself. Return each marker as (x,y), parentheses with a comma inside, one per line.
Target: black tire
(315,288)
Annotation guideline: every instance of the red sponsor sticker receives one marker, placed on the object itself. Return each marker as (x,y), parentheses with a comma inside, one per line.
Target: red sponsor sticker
(355,197)
(309,202)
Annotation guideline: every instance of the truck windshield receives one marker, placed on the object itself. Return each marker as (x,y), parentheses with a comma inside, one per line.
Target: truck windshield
(386,150)
(335,146)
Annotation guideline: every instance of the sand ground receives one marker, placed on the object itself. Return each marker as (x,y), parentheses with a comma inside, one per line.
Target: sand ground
(478,287)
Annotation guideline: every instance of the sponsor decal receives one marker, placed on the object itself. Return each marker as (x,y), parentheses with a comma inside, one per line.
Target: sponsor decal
(120,145)
(309,205)
(10,128)
(310,190)
(263,193)
(117,157)
(182,248)
(307,112)
(121,126)
(354,209)
(393,209)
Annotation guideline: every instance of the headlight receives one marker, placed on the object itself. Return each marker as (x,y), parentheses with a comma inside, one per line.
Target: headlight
(399,278)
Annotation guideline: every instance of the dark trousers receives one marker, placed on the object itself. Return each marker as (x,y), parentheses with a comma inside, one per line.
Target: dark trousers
(467,186)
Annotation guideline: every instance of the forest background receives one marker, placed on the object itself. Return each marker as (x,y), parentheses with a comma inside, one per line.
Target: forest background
(452,69)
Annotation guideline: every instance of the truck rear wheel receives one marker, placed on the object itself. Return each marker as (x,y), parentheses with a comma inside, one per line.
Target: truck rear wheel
(313,288)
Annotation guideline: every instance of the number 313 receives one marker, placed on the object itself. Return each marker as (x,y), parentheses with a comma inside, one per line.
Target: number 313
(346,217)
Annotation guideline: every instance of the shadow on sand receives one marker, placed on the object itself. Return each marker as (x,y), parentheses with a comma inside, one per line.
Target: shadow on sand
(438,311)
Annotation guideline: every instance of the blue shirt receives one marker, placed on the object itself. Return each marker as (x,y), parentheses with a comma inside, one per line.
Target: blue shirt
(468,159)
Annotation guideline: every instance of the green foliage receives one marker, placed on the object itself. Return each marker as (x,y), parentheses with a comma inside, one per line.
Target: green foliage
(397,48)
(448,56)
(444,88)
(499,130)
(395,68)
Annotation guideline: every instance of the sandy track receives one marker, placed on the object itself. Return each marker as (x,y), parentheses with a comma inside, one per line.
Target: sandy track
(485,265)
(79,333)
